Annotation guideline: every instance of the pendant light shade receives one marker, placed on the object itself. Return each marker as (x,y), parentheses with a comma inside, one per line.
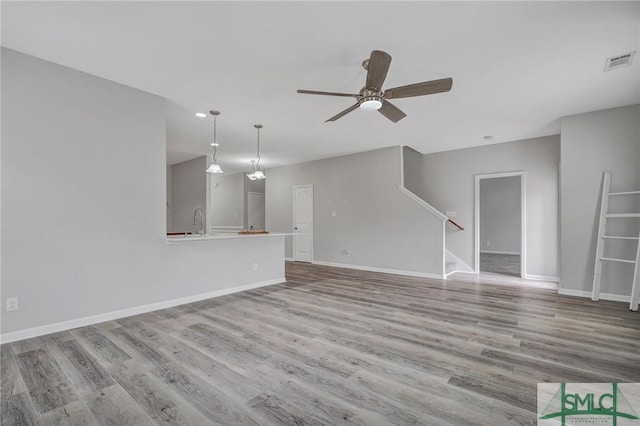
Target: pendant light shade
(252,174)
(214,167)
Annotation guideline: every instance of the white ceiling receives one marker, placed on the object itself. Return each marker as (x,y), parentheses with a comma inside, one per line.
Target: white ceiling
(516,67)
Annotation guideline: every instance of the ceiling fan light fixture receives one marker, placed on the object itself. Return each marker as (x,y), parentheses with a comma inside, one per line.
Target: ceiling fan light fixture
(372,103)
(372,97)
(259,174)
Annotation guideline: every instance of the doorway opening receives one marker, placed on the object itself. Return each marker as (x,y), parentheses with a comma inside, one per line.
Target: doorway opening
(500,224)
(303,223)
(255,210)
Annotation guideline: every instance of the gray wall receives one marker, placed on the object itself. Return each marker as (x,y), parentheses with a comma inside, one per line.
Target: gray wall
(413,170)
(169,197)
(189,190)
(379,225)
(500,215)
(83,203)
(449,185)
(226,200)
(593,143)
(257,185)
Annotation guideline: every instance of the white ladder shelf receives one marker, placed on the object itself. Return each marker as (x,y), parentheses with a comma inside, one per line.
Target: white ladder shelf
(602,228)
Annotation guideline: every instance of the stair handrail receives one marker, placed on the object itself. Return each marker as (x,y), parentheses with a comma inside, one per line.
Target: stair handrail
(455,224)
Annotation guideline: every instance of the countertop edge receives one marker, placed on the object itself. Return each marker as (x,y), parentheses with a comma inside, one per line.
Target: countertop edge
(216,237)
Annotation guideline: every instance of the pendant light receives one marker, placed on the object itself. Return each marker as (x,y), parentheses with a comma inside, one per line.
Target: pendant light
(256,173)
(214,167)
(252,175)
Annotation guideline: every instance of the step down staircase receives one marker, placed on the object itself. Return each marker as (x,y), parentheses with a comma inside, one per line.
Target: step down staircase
(602,237)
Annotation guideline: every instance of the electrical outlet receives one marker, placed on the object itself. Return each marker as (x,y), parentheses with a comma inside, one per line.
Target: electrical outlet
(450,213)
(334,214)
(12,304)
(488,242)
(255,266)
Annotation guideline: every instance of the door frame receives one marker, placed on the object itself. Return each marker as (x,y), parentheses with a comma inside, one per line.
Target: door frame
(293,220)
(523,219)
(254,193)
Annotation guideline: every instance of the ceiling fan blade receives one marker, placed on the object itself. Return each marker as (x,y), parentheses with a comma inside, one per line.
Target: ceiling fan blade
(377,69)
(315,92)
(419,89)
(391,111)
(343,113)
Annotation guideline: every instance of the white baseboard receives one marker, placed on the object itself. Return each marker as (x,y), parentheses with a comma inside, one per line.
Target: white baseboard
(500,252)
(289,259)
(587,294)
(542,278)
(122,313)
(383,270)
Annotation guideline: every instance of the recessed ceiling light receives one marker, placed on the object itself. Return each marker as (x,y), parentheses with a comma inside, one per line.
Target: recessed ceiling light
(201,114)
(487,138)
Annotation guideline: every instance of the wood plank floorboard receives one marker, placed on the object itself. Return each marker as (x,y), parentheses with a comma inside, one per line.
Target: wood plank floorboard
(331,346)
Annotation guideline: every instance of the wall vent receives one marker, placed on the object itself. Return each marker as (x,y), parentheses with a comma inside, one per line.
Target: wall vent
(619,61)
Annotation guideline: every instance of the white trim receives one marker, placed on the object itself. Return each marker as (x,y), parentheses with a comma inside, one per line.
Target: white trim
(500,252)
(402,166)
(587,295)
(289,259)
(523,220)
(542,278)
(383,270)
(122,313)
(293,219)
(423,203)
(444,249)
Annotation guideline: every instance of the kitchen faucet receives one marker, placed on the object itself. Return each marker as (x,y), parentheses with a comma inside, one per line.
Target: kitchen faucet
(199,230)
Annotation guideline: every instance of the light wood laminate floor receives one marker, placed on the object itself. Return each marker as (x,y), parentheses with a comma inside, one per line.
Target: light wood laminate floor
(331,346)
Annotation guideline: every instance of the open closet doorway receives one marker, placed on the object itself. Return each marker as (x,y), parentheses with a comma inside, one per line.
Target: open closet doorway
(500,224)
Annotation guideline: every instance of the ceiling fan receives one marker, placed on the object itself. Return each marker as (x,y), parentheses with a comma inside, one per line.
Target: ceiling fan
(372,97)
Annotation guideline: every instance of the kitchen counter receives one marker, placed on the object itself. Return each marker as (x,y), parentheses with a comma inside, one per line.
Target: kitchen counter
(195,238)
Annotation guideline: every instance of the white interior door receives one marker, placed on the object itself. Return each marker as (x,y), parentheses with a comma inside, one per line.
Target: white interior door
(255,210)
(303,223)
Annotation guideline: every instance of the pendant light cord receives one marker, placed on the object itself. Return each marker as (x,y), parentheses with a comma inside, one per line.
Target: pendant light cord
(258,151)
(215,144)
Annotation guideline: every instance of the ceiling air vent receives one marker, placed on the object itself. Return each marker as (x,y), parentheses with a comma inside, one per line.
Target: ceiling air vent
(618,61)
